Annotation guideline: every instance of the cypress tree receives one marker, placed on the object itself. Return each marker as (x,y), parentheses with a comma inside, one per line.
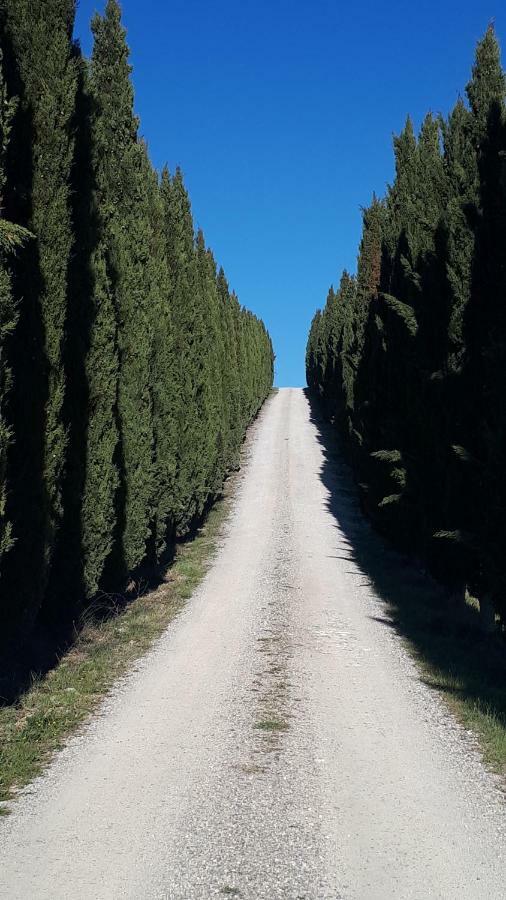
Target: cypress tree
(330,331)
(392,329)
(128,371)
(127,232)
(421,351)
(41,70)
(368,270)
(8,316)
(210,392)
(449,555)
(348,300)
(473,141)
(409,311)
(312,365)
(96,276)
(369,265)
(11,237)
(164,371)
(188,338)
(215,324)
(240,341)
(485,329)
(230,380)
(426,433)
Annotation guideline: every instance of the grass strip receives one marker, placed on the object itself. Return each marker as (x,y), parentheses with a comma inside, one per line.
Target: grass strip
(466,667)
(54,706)
(271,725)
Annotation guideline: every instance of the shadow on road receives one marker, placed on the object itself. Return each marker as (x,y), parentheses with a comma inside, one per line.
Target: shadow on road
(455,656)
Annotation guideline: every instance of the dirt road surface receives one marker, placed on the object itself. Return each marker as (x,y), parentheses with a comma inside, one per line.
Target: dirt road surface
(278,741)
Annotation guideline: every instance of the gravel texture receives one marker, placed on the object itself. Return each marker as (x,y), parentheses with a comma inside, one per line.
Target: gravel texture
(277,742)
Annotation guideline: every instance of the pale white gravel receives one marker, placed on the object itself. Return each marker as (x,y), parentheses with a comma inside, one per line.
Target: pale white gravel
(372,792)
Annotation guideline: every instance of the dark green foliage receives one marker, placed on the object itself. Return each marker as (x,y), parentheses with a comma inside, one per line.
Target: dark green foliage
(128,247)
(11,237)
(230,376)
(188,348)
(163,378)
(94,222)
(410,362)
(224,362)
(485,330)
(41,72)
(128,370)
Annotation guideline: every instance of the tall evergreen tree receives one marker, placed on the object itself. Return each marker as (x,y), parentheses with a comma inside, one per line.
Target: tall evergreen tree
(128,371)
(11,237)
(230,375)
(312,362)
(472,153)
(214,324)
(125,209)
(210,392)
(419,365)
(8,316)
(164,371)
(188,337)
(41,70)
(95,278)
(485,328)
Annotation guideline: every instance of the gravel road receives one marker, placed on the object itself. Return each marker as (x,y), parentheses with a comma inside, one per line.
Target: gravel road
(278,741)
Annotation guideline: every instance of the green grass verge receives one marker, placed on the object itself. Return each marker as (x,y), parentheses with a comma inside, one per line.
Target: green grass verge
(467,668)
(55,705)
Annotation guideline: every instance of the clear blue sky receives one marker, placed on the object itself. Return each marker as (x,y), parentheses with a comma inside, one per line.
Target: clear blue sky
(281,115)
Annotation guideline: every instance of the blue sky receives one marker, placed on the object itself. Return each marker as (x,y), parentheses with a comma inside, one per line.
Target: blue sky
(281,115)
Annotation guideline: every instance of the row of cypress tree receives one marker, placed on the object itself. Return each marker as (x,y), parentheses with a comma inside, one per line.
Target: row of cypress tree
(409,355)
(128,369)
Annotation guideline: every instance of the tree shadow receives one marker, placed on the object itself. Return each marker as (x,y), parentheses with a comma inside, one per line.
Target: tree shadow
(445,635)
(41,649)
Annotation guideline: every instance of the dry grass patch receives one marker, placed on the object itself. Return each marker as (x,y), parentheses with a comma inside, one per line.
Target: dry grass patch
(272,725)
